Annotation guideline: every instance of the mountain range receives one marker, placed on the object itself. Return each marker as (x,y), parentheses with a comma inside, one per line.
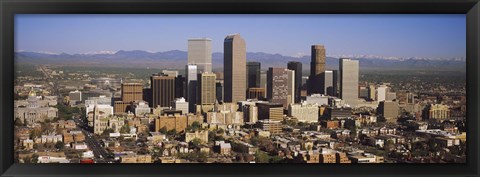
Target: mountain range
(176,59)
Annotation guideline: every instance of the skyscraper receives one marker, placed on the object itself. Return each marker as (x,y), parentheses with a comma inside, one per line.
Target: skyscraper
(253,74)
(382,93)
(349,71)
(207,89)
(277,86)
(132,92)
(234,66)
(191,85)
(331,82)
(317,70)
(290,87)
(163,90)
(297,67)
(200,54)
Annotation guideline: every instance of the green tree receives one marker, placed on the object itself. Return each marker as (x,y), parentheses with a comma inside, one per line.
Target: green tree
(261,157)
(172,132)
(163,130)
(34,158)
(18,122)
(125,129)
(59,145)
(196,143)
(107,132)
(275,159)
(194,127)
(389,145)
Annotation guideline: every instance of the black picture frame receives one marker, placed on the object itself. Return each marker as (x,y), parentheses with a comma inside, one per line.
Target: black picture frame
(8,9)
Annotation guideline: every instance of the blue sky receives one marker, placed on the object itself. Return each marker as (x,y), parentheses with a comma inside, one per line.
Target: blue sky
(430,36)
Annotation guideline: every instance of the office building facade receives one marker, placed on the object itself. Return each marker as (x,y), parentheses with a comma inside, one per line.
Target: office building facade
(132,92)
(349,72)
(317,70)
(234,66)
(253,74)
(200,54)
(277,86)
(297,67)
(207,89)
(163,90)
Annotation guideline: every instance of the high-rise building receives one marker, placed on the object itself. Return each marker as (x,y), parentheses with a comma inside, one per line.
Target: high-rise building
(200,54)
(335,83)
(297,67)
(256,93)
(234,66)
(389,110)
(207,89)
(163,90)
(304,112)
(181,105)
(179,86)
(329,83)
(75,96)
(219,90)
(349,71)
(382,93)
(173,73)
(263,79)
(121,107)
(363,92)
(438,111)
(290,87)
(277,86)
(147,96)
(410,98)
(253,74)
(271,111)
(132,92)
(372,92)
(191,72)
(317,70)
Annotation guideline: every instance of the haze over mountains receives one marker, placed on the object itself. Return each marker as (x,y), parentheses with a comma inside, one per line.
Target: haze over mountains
(176,59)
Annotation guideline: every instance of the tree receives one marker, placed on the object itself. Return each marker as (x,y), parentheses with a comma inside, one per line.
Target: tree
(261,157)
(194,127)
(59,145)
(172,132)
(107,132)
(389,145)
(35,158)
(163,130)
(125,129)
(196,143)
(18,122)
(275,159)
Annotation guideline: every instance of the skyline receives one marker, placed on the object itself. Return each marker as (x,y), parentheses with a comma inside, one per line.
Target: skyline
(436,36)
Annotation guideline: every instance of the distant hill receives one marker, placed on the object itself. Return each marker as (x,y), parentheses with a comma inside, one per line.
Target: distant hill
(176,59)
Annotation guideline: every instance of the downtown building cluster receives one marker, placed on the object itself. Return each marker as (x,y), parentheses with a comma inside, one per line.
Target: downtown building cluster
(238,115)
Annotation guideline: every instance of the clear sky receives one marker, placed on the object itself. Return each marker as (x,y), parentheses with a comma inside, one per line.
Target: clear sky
(431,36)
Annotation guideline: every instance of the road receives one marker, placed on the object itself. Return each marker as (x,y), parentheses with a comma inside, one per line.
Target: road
(100,153)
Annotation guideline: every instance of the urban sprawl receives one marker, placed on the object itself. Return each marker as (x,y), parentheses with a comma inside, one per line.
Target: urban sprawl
(240,114)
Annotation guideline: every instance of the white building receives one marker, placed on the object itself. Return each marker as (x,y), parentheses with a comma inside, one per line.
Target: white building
(349,73)
(382,93)
(181,104)
(317,99)
(250,110)
(141,109)
(304,112)
(200,54)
